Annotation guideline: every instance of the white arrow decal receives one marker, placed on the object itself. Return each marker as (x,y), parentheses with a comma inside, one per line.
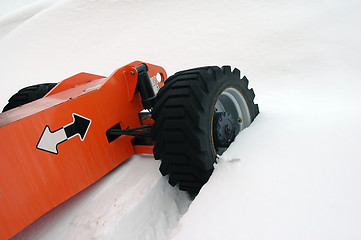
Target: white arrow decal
(49,140)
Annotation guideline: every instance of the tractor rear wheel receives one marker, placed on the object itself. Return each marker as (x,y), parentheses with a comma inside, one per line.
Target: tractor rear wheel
(28,94)
(197,115)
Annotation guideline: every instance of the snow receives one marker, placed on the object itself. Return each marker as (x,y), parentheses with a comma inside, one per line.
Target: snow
(15,13)
(293,174)
(14,5)
(130,202)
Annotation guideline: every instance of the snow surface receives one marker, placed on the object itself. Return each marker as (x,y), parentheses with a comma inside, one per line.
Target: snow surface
(131,202)
(14,13)
(293,174)
(7,6)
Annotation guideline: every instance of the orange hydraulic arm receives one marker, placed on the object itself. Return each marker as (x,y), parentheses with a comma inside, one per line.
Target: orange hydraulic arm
(56,146)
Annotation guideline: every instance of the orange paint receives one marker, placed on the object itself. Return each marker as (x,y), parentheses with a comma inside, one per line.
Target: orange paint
(33,181)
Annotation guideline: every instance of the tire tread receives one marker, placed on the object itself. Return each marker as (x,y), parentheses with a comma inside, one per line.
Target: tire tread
(28,94)
(178,111)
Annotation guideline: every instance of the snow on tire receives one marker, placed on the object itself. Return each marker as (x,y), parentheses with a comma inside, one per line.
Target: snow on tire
(197,115)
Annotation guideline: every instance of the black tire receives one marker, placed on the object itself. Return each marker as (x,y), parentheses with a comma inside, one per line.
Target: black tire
(28,94)
(183,128)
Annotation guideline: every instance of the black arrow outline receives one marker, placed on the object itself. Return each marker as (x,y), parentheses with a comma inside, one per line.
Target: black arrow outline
(71,130)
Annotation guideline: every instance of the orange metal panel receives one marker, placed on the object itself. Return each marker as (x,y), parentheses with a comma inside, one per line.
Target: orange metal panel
(33,181)
(73,81)
(146,149)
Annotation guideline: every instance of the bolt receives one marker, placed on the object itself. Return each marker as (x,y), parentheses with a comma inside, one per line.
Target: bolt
(228,129)
(132,72)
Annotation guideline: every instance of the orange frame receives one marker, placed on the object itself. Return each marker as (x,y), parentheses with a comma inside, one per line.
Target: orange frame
(33,181)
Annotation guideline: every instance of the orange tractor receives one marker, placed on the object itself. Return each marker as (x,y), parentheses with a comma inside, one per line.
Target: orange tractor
(58,139)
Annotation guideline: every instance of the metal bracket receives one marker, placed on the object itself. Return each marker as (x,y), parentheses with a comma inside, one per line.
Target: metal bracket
(142,131)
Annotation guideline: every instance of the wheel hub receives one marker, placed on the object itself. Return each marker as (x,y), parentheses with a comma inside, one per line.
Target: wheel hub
(224,129)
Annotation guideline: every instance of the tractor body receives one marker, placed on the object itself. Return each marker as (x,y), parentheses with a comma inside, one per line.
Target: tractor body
(54,147)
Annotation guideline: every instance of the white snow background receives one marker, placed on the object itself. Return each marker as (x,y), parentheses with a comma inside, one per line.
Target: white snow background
(293,174)
(7,6)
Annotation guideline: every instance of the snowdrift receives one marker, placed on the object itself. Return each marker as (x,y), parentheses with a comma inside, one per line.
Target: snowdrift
(293,174)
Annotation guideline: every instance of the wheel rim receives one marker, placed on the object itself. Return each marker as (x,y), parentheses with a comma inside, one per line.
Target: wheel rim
(232,101)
